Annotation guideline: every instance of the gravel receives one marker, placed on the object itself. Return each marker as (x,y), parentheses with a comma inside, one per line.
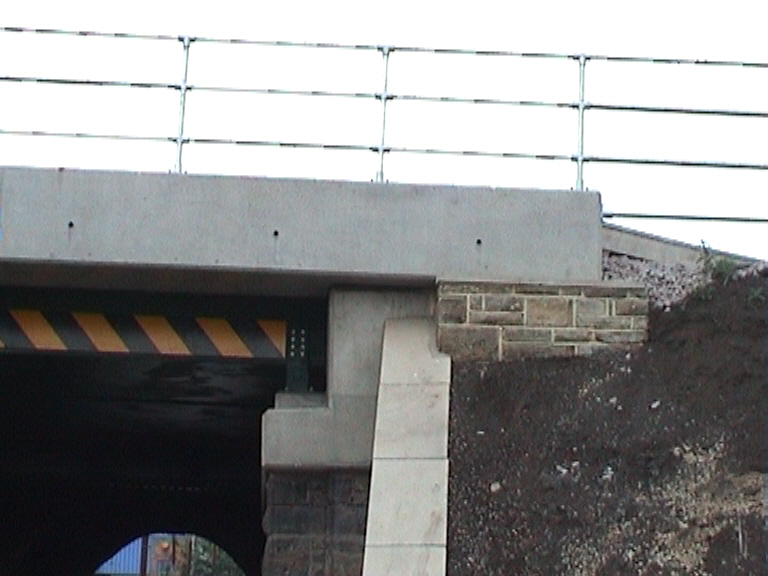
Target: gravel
(668,285)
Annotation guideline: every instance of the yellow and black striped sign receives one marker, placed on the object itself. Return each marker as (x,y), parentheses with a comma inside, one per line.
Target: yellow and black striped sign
(30,329)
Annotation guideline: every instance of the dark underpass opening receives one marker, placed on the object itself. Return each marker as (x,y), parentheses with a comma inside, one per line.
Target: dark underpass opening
(97,450)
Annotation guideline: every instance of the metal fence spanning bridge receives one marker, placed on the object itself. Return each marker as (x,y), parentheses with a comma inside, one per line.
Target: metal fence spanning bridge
(579,64)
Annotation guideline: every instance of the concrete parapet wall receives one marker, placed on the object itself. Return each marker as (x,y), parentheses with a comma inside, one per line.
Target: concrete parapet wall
(281,226)
(499,321)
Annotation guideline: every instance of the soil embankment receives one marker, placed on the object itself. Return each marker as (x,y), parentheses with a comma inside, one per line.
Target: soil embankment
(648,462)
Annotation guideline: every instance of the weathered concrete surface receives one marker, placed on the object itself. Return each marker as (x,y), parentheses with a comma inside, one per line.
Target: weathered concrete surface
(408,503)
(340,432)
(283,226)
(650,247)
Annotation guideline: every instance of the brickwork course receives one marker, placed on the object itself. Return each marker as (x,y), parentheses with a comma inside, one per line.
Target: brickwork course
(315,522)
(499,321)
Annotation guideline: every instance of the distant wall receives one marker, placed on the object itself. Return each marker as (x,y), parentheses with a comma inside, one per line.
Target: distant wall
(497,321)
(622,240)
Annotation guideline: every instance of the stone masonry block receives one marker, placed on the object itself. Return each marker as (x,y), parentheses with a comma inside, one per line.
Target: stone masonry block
(496,318)
(351,487)
(549,312)
(592,349)
(511,350)
(613,291)
(503,303)
(452,310)
(282,519)
(286,489)
(319,490)
(636,292)
(620,336)
(631,307)
(287,556)
(640,323)
(573,335)
(542,289)
(470,342)
(451,288)
(305,488)
(515,334)
(591,307)
(349,519)
(476,302)
(605,322)
(570,291)
(474,288)
(346,556)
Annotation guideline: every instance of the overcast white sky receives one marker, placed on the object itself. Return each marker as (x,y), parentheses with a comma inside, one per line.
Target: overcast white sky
(705,30)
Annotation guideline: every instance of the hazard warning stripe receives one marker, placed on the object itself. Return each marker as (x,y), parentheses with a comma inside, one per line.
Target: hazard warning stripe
(224,337)
(162,334)
(37,329)
(100,332)
(277,332)
(94,332)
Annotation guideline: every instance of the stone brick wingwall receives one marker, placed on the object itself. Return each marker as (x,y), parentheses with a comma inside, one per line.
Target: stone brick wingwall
(498,321)
(315,522)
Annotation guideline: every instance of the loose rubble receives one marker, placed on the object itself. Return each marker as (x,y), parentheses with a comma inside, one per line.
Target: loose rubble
(668,285)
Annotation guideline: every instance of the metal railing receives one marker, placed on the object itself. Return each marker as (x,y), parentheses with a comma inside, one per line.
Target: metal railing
(384,96)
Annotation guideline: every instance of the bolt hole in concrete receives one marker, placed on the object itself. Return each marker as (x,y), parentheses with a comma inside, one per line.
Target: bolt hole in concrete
(479,242)
(71,224)
(276,233)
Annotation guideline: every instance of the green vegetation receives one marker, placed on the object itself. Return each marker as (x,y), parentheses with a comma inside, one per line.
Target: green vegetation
(210,560)
(717,268)
(756,296)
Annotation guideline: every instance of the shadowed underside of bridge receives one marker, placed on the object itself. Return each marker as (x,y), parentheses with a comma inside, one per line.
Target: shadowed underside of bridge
(90,462)
(123,414)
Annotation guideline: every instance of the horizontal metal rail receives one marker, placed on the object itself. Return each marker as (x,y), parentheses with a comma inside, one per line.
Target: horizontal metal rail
(684,61)
(501,101)
(93,33)
(80,82)
(281,144)
(680,163)
(673,110)
(384,96)
(283,92)
(734,219)
(390,96)
(422,49)
(479,153)
(87,135)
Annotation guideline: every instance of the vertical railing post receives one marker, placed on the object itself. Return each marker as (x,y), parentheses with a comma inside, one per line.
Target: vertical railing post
(383,96)
(580,154)
(185,41)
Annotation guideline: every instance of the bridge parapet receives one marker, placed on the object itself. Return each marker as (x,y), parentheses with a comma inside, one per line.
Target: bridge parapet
(300,229)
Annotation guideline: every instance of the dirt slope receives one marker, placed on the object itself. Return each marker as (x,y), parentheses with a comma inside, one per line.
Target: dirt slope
(647,463)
